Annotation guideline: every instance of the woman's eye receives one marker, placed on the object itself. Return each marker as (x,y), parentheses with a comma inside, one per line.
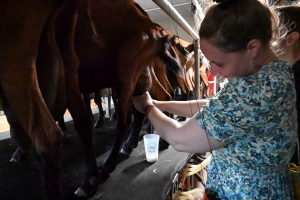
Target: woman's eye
(216,64)
(219,65)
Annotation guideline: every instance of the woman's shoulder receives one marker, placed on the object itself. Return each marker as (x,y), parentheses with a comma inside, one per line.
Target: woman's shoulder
(271,74)
(272,81)
(278,66)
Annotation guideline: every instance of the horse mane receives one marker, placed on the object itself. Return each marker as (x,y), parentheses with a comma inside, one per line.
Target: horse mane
(175,42)
(169,60)
(182,50)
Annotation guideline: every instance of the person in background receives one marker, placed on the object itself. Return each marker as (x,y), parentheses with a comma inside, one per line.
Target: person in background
(289,50)
(249,126)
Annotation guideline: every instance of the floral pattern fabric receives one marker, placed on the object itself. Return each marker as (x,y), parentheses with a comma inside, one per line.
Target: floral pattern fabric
(256,117)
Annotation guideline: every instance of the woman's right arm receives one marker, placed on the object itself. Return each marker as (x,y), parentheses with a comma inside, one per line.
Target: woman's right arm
(186,137)
(181,108)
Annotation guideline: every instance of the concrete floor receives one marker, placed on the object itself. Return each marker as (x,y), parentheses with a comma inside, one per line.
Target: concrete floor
(133,179)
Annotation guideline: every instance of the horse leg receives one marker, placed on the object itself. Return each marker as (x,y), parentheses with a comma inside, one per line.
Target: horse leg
(18,134)
(100,121)
(79,111)
(38,124)
(114,116)
(62,125)
(205,95)
(87,101)
(184,97)
(51,76)
(124,116)
(204,80)
(133,138)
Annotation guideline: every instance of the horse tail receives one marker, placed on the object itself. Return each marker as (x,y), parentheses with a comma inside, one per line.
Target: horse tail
(86,23)
(171,61)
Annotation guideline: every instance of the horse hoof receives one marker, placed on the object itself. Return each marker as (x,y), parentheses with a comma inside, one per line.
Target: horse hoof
(80,193)
(126,149)
(14,160)
(124,152)
(105,171)
(113,118)
(18,156)
(99,123)
(87,188)
(103,178)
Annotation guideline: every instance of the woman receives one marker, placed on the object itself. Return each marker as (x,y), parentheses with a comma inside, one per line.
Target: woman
(250,124)
(289,50)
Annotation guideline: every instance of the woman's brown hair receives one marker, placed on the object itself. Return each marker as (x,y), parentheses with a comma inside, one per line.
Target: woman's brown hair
(231,24)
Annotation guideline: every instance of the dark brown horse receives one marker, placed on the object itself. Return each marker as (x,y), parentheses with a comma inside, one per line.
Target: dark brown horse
(38,81)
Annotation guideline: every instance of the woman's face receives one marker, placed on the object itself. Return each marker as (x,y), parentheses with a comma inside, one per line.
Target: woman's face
(228,65)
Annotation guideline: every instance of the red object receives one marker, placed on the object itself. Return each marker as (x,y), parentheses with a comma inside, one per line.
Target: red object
(211,79)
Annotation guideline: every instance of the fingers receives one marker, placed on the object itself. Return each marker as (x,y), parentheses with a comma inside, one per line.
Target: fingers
(141,101)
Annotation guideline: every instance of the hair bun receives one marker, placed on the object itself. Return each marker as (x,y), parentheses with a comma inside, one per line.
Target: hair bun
(224,1)
(219,1)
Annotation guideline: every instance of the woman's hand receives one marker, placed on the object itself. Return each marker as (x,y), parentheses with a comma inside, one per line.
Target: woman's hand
(141,101)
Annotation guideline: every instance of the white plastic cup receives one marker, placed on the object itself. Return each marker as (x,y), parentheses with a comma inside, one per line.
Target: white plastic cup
(151,142)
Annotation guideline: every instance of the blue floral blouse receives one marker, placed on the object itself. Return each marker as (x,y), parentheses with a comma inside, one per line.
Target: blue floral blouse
(256,117)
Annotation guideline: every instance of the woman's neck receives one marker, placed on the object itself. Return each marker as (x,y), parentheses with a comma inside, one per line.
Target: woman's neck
(291,58)
(266,56)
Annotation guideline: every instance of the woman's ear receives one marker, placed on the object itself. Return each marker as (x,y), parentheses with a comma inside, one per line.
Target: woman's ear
(253,47)
(292,38)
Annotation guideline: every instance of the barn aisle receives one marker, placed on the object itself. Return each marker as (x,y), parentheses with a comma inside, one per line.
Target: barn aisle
(133,179)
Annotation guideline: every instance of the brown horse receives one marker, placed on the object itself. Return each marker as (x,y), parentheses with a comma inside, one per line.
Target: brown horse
(187,83)
(164,88)
(21,25)
(38,73)
(115,63)
(164,84)
(161,88)
(122,61)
